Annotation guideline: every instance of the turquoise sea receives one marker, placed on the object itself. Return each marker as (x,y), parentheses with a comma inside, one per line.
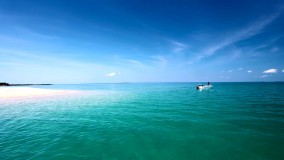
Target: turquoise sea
(167,121)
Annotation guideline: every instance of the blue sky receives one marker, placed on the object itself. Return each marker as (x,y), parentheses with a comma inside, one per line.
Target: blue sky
(84,41)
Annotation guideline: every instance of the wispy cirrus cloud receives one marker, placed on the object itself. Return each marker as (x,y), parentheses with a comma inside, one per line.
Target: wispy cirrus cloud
(249,71)
(245,33)
(263,76)
(273,70)
(178,47)
(31,58)
(274,49)
(161,61)
(134,62)
(138,64)
(29,65)
(32,33)
(255,49)
(14,40)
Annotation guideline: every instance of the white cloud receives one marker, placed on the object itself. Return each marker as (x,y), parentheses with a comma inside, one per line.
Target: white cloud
(111,74)
(263,76)
(230,71)
(240,69)
(270,71)
(249,71)
(282,70)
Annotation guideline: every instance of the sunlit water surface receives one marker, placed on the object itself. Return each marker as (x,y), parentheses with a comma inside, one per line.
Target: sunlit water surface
(147,121)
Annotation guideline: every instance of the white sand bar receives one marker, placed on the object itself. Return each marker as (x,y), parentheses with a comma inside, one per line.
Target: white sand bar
(21,92)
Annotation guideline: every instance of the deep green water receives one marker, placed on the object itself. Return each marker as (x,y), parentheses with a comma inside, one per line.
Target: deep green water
(147,121)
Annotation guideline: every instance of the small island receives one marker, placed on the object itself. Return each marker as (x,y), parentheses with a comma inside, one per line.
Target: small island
(7,84)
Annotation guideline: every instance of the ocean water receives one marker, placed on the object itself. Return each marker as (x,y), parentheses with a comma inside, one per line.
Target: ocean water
(166,121)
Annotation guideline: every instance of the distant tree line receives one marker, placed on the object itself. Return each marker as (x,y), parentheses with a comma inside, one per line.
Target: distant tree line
(4,84)
(7,84)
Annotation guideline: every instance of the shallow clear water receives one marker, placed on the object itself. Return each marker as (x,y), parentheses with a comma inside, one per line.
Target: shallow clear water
(147,121)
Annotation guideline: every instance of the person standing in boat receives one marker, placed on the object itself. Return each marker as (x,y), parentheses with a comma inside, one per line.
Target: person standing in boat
(208,83)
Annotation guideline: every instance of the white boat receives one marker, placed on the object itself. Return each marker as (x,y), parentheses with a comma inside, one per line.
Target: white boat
(201,86)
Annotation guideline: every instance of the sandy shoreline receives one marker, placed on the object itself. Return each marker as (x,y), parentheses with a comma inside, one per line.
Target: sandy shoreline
(22,92)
